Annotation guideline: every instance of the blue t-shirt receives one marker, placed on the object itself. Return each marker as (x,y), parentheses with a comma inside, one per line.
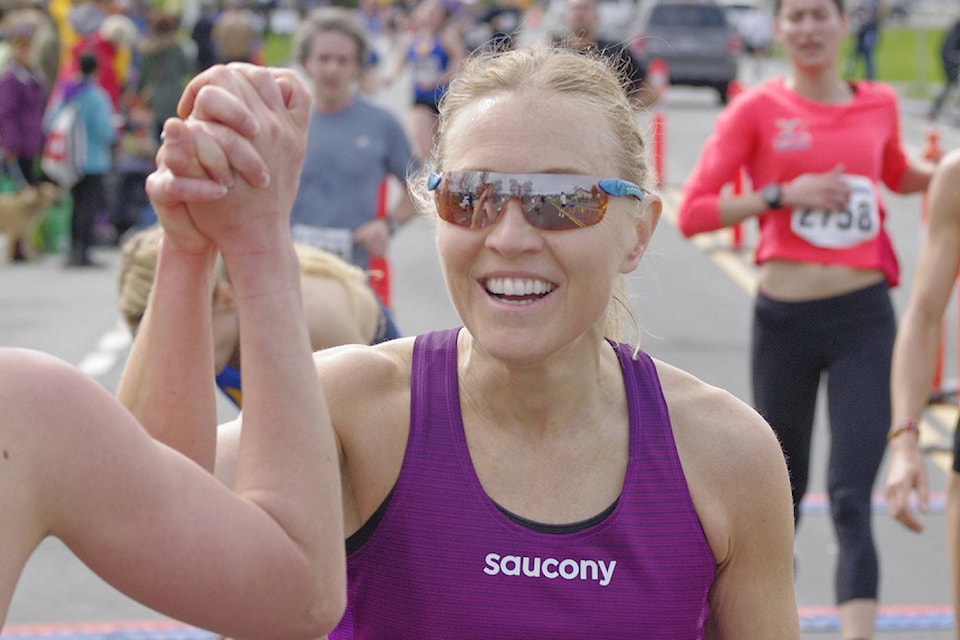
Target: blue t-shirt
(349,154)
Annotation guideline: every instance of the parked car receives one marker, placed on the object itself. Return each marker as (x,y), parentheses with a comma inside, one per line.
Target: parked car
(737,12)
(699,45)
(614,17)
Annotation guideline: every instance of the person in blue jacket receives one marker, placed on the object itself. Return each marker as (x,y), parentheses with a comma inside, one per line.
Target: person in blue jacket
(96,113)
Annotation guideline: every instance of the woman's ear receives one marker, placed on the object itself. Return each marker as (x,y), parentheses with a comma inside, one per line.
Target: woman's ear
(646,224)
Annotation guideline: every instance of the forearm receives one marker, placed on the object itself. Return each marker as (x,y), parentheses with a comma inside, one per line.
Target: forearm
(734,209)
(912,371)
(709,212)
(916,178)
(167,381)
(288,460)
(405,209)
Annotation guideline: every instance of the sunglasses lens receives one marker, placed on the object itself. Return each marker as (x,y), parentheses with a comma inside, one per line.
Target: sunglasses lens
(453,207)
(559,212)
(474,209)
(550,202)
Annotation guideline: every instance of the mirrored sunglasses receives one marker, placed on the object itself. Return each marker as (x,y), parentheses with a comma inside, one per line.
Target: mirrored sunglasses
(550,201)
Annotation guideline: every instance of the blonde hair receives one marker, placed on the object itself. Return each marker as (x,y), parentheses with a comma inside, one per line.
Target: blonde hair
(585,75)
(138,266)
(138,263)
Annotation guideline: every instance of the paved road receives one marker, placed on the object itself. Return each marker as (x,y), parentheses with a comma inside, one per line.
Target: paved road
(693,300)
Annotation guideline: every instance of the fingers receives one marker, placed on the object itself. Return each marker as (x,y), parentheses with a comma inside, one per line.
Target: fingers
(166,189)
(295,94)
(217,94)
(897,495)
(199,150)
(233,95)
(898,503)
(374,237)
(909,519)
(226,105)
(221,151)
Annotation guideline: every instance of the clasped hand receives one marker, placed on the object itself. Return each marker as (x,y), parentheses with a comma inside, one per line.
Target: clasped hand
(229,166)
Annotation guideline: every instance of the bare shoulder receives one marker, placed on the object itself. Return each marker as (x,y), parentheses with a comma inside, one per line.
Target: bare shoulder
(731,458)
(362,370)
(949,165)
(358,379)
(710,418)
(944,189)
(368,396)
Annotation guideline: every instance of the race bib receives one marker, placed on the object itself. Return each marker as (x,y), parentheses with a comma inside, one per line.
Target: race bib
(337,241)
(858,222)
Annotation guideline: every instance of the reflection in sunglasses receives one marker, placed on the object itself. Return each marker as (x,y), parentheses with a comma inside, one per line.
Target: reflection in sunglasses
(554,202)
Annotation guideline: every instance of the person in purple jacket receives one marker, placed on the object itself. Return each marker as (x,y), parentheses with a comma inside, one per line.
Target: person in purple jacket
(23,93)
(525,475)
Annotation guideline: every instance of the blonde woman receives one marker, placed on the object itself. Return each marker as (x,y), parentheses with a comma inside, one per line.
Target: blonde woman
(340,306)
(527,474)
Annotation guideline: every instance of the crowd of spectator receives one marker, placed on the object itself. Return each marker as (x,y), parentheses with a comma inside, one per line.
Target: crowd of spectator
(146,51)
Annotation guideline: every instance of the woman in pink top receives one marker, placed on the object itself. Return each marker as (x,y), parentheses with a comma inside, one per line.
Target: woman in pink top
(817,149)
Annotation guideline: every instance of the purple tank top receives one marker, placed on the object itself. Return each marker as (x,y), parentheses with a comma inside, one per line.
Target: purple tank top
(442,560)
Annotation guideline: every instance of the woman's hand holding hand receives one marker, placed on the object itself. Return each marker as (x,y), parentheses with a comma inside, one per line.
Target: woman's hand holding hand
(227,172)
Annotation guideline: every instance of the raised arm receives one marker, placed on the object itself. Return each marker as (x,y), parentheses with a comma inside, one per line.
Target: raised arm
(241,119)
(915,349)
(76,465)
(167,380)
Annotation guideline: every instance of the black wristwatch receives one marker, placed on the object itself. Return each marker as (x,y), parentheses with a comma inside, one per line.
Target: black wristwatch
(772,195)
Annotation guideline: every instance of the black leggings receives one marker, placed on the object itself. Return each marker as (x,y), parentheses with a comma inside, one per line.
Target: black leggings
(88,200)
(850,338)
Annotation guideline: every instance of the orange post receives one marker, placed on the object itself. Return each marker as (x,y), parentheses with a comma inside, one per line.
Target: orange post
(734,88)
(379,267)
(737,229)
(658,76)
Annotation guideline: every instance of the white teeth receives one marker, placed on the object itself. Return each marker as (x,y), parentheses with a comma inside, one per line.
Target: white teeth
(518,286)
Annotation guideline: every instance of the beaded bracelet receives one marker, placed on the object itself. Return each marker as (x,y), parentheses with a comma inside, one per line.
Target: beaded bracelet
(903,427)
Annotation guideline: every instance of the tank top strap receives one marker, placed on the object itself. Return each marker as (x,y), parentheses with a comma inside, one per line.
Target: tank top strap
(652,446)
(435,390)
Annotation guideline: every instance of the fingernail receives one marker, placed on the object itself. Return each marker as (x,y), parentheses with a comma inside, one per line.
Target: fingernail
(264,180)
(221,191)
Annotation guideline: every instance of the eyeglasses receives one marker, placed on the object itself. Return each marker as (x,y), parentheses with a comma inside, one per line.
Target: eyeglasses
(550,201)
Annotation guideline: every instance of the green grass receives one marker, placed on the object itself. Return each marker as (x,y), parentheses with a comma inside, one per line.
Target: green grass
(907,57)
(276,49)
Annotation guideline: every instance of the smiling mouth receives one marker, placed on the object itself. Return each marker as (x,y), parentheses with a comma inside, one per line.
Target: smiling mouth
(518,290)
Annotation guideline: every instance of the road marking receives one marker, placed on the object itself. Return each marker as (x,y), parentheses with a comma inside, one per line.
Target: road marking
(812,620)
(100,361)
(889,618)
(819,503)
(122,630)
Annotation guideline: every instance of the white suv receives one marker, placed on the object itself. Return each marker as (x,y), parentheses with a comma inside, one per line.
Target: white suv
(615,17)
